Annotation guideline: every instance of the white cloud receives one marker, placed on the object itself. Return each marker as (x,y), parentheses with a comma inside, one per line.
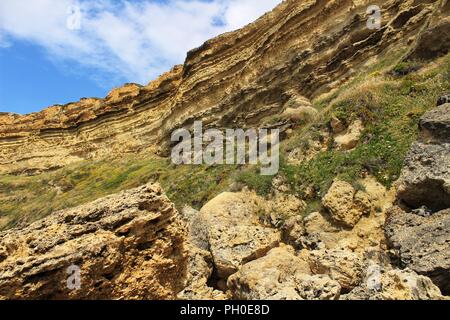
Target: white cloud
(3,42)
(241,12)
(130,40)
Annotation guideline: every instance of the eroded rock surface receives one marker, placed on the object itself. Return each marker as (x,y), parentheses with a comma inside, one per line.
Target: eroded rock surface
(200,264)
(243,78)
(397,285)
(233,232)
(345,204)
(134,246)
(350,138)
(126,246)
(281,275)
(422,243)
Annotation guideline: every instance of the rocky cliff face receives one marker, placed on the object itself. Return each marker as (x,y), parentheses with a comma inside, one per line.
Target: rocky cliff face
(247,77)
(134,245)
(330,225)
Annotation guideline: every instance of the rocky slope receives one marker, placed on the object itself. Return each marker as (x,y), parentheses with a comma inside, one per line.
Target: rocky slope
(134,245)
(247,77)
(359,209)
(419,228)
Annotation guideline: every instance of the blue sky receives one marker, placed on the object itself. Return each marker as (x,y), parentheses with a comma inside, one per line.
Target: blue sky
(58,51)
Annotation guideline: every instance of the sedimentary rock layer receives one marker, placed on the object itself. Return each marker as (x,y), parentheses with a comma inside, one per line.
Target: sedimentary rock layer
(242,78)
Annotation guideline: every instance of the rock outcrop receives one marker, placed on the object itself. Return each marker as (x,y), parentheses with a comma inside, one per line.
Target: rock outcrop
(443,100)
(418,230)
(233,233)
(135,245)
(222,237)
(350,138)
(397,285)
(422,243)
(125,246)
(200,264)
(342,265)
(281,275)
(425,179)
(248,77)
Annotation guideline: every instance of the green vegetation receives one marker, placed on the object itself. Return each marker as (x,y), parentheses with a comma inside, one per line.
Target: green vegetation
(390,109)
(27,198)
(389,106)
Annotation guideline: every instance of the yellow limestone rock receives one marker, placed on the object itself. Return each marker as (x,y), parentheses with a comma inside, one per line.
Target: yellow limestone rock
(345,204)
(125,246)
(349,139)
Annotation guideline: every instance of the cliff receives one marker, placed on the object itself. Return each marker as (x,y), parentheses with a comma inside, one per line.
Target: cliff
(242,78)
(359,208)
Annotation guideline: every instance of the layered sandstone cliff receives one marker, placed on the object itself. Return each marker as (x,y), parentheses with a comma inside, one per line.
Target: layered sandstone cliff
(339,231)
(242,78)
(135,245)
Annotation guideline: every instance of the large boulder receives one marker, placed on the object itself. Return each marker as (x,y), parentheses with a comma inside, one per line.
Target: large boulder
(422,243)
(281,275)
(298,109)
(124,246)
(280,207)
(408,285)
(435,124)
(336,125)
(200,264)
(342,265)
(231,228)
(349,139)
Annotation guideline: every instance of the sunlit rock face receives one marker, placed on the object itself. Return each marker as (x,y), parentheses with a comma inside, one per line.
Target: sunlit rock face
(125,246)
(249,77)
(360,240)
